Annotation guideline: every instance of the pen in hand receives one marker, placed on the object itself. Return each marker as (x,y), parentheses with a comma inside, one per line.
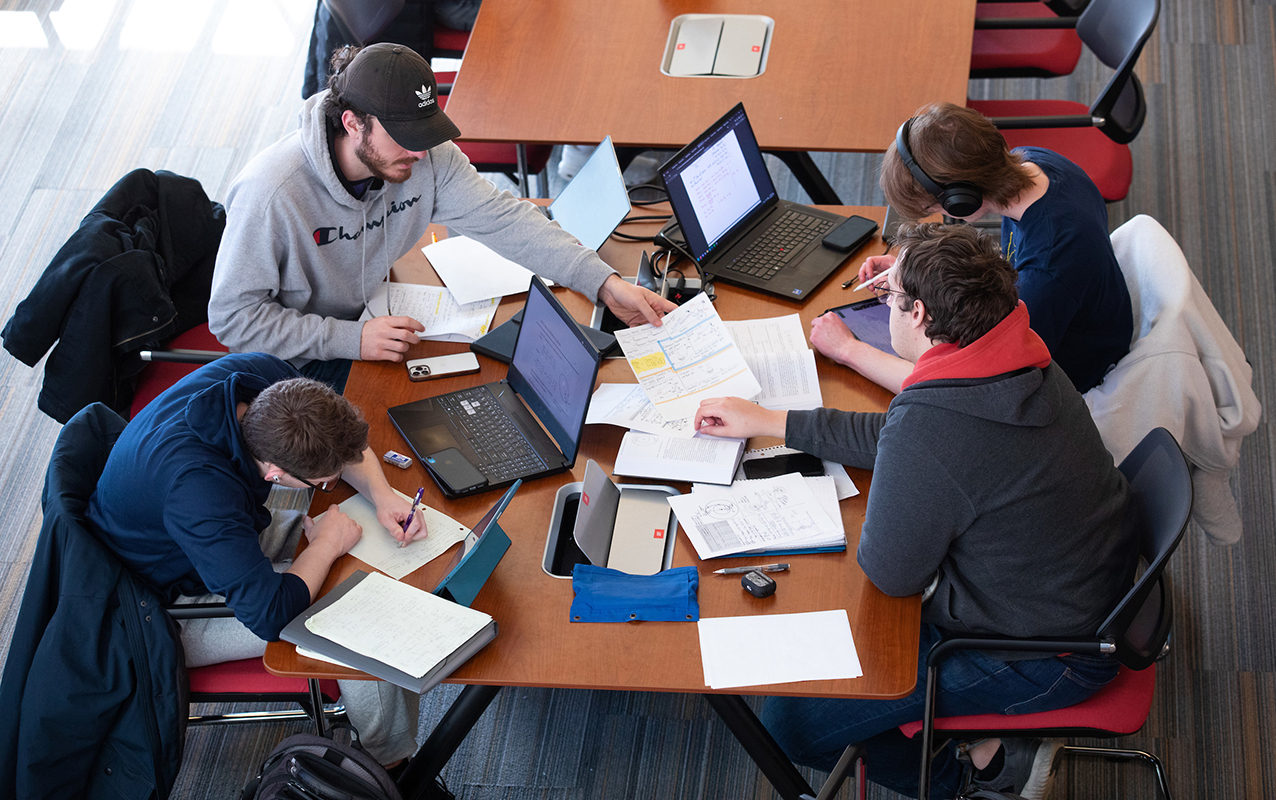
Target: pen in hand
(408,522)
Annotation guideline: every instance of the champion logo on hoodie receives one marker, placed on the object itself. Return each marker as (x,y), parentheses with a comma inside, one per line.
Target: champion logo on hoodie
(326,235)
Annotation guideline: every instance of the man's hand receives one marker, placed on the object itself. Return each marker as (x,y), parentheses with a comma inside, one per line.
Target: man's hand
(336,533)
(875,265)
(633,305)
(831,337)
(393,511)
(388,338)
(739,418)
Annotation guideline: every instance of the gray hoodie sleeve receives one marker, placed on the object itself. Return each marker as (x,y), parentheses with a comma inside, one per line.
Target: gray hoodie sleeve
(246,311)
(847,437)
(468,204)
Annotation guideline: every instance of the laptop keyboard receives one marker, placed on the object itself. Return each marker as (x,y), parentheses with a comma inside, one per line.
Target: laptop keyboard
(772,251)
(502,451)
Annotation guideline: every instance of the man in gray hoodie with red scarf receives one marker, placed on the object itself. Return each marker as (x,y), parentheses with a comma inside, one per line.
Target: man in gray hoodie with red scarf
(990,479)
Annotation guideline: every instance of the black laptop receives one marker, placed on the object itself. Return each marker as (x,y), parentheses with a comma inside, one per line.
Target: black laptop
(489,432)
(735,225)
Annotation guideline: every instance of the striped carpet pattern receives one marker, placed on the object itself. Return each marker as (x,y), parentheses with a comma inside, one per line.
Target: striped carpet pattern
(198,87)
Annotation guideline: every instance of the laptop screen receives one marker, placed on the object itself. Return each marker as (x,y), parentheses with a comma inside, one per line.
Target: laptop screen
(595,202)
(553,368)
(718,182)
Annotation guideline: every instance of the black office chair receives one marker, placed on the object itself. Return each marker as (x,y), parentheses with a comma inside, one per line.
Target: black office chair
(1115,30)
(1135,633)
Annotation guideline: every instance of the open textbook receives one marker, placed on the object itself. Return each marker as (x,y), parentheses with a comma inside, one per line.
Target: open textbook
(704,459)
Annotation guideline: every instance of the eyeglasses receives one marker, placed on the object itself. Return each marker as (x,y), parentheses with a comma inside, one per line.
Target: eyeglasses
(325,486)
(883,294)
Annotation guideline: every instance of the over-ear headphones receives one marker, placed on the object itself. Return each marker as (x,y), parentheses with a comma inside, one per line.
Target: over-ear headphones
(958,199)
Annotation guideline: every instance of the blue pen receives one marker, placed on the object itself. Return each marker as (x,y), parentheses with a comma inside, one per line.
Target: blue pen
(419,493)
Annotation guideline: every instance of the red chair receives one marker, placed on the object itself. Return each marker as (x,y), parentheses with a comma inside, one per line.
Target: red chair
(1094,138)
(1023,40)
(187,352)
(450,43)
(1135,633)
(515,161)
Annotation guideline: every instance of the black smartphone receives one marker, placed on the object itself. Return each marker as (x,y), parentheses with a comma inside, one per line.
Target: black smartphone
(851,234)
(454,471)
(770,467)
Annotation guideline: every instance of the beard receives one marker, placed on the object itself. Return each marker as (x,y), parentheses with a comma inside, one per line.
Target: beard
(381,167)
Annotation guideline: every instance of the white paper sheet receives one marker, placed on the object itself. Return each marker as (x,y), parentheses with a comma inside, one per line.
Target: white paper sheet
(845,486)
(712,459)
(690,358)
(434,307)
(377,548)
(473,271)
(397,624)
(777,354)
(626,405)
(825,491)
(752,515)
(777,648)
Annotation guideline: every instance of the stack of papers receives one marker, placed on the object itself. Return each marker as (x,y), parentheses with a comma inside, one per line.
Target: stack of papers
(777,354)
(691,357)
(711,459)
(788,512)
(794,647)
(845,486)
(626,405)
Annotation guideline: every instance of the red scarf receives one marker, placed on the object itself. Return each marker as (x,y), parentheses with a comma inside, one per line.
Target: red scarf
(1009,346)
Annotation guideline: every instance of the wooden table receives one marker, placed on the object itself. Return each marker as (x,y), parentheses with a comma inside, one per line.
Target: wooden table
(538,646)
(841,75)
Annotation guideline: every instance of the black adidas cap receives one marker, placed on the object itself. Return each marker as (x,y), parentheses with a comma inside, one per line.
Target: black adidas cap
(394,84)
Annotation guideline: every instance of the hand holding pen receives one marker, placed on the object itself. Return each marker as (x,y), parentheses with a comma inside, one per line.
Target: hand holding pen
(407,523)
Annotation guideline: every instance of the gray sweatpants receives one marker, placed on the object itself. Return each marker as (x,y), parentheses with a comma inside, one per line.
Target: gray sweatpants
(385,715)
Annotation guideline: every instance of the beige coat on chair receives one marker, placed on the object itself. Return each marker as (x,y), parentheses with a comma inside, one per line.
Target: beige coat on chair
(1184,372)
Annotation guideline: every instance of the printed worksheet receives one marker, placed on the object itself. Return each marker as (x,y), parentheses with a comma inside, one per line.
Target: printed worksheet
(690,358)
(845,486)
(777,354)
(434,307)
(752,515)
(626,405)
(377,548)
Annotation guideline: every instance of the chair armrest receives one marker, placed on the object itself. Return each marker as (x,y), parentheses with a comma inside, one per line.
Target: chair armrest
(1061,121)
(181,356)
(1023,23)
(199,611)
(1066,645)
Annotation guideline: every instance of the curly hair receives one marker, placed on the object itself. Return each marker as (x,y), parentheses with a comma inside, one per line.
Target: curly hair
(305,428)
(335,105)
(951,143)
(959,275)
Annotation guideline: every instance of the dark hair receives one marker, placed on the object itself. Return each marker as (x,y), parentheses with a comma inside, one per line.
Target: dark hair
(304,428)
(959,275)
(951,143)
(334,105)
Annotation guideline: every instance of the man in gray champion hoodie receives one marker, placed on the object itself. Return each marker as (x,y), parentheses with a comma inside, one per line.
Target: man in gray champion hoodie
(989,477)
(315,221)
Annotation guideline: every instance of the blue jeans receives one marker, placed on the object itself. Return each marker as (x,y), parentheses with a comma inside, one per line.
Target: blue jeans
(334,373)
(814,731)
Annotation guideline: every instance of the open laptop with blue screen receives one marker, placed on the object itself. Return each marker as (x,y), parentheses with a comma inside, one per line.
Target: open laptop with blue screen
(736,227)
(526,426)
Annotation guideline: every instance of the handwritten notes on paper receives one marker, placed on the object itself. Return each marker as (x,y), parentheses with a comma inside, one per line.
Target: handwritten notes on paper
(753,515)
(397,624)
(377,548)
(690,358)
(626,405)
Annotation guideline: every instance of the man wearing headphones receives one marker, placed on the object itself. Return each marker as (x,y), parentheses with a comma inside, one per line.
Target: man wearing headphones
(1054,233)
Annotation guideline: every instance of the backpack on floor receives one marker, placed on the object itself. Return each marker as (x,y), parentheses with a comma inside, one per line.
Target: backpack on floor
(307,766)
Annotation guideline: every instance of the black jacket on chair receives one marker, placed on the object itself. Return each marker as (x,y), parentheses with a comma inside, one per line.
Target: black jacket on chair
(137,272)
(94,686)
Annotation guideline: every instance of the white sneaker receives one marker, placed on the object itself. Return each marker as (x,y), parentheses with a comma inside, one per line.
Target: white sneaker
(1040,757)
(573,158)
